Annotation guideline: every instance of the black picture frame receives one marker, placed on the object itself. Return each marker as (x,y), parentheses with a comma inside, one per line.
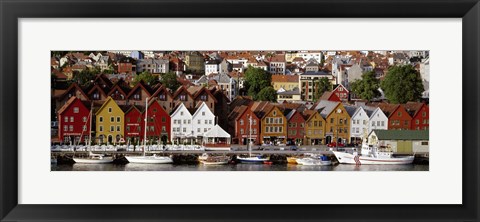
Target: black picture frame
(11,11)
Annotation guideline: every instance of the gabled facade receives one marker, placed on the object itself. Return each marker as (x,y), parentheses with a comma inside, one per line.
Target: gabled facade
(165,98)
(296,127)
(420,115)
(337,127)
(181,124)
(73,90)
(247,125)
(138,94)
(97,95)
(202,120)
(182,95)
(158,124)
(202,95)
(341,92)
(359,125)
(314,128)
(73,122)
(274,125)
(398,117)
(378,121)
(134,125)
(109,122)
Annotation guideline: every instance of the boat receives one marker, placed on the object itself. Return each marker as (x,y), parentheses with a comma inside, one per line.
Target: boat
(154,159)
(214,160)
(92,158)
(310,161)
(292,160)
(372,155)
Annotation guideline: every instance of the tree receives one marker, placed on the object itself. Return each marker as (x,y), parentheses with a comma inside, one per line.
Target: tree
(147,78)
(321,85)
(84,76)
(256,79)
(402,84)
(267,94)
(367,87)
(169,80)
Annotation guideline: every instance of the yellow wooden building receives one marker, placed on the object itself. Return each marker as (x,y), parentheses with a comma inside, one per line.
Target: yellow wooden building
(273,126)
(109,123)
(314,128)
(337,121)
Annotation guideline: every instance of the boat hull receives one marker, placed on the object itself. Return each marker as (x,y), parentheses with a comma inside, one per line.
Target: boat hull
(213,163)
(347,158)
(149,159)
(93,161)
(313,162)
(252,159)
(292,160)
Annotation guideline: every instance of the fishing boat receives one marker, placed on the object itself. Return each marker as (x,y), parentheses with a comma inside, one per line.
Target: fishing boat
(92,158)
(214,160)
(154,159)
(371,155)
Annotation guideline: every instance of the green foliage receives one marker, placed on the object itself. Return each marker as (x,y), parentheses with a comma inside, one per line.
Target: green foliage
(367,87)
(109,70)
(267,94)
(402,84)
(169,80)
(147,78)
(321,85)
(256,79)
(84,77)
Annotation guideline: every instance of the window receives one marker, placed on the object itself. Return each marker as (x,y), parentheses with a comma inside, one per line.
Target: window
(84,119)
(189,122)
(71,128)
(127,128)
(205,129)
(254,122)
(71,119)
(424,114)
(184,129)
(206,121)
(241,122)
(267,129)
(341,121)
(118,128)
(109,109)
(100,128)
(331,120)
(75,109)
(66,119)
(164,119)
(383,123)
(65,128)
(399,113)
(406,123)
(181,113)
(254,131)
(118,119)
(425,143)
(199,121)
(280,120)
(373,123)
(112,129)
(152,128)
(203,113)
(184,121)
(241,131)
(417,121)
(210,121)
(198,130)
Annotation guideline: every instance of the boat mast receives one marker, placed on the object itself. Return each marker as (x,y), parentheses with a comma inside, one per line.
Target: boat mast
(145,131)
(250,136)
(90,128)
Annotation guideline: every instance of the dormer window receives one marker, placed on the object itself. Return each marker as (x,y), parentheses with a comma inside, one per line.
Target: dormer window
(96,95)
(162,97)
(183,98)
(136,97)
(203,97)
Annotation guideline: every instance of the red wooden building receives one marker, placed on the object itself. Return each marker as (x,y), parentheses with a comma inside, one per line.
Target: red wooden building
(398,117)
(420,115)
(243,126)
(73,121)
(341,92)
(158,125)
(134,125)
(295,127)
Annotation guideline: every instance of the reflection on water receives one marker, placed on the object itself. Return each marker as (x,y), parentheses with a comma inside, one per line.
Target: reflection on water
(233,167)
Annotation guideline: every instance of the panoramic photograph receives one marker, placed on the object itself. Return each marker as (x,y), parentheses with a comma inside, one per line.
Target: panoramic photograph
(304,110)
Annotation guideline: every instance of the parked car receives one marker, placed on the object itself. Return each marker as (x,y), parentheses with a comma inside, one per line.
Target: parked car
(334,144)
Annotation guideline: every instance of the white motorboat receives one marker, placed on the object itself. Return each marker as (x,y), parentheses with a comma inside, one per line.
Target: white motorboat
(309,161)
(148,159)
(252,159)
(372,155)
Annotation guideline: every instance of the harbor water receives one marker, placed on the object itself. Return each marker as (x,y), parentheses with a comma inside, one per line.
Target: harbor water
(234,167)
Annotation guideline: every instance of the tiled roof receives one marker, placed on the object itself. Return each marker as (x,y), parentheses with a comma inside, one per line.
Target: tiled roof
(285,78)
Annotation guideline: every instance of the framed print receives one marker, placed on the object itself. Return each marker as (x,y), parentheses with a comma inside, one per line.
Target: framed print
(158,108)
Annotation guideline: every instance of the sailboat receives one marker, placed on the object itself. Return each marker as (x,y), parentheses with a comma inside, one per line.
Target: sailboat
(148,159)
(250,158)
(92,157)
